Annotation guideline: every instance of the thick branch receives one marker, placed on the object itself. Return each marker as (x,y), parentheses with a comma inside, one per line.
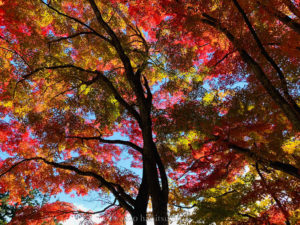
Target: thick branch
(124,195)
(269,59)
(283,167)
(99,138)
(108,185)
(163,175)
(287,109)
(134,82)
(149,94)
(291,23)
(143,195)
(292,7)
(115,40)
(121,100)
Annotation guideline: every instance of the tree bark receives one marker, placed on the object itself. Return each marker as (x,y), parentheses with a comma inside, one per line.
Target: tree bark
(156,176)
(139,217)
(159,196)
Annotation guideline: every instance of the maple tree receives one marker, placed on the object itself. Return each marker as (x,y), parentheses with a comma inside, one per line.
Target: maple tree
(76,73)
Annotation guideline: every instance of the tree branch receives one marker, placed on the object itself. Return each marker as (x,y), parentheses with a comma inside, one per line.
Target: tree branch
(280,206)
(134,83)
(283,167)
(18,54)
(246,215)
(115,41)
(120,99)
(71,36)
(100,76)
(292,7)
(124,199)
(25,77)
(127,143)
(142,197)
(139,34)
(77,21)
(84,212)
(149,94)
(224,194)
(287,109)
(284,87)
(291,23)
(222,59)
(108,185)
(14,166)
(184,207)
(124,58)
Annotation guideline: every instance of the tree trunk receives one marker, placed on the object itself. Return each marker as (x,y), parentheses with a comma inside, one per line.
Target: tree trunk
(158,198)
(160,213)
(139,217)
(156,176)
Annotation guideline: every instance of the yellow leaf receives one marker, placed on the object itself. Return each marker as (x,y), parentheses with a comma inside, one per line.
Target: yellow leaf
(291,146)
(7,104)
(211,199)
(46,19)
(250,107)
(208,97)
(84,89)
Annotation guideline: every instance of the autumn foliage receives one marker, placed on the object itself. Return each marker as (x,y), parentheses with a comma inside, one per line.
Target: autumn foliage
(165,108)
